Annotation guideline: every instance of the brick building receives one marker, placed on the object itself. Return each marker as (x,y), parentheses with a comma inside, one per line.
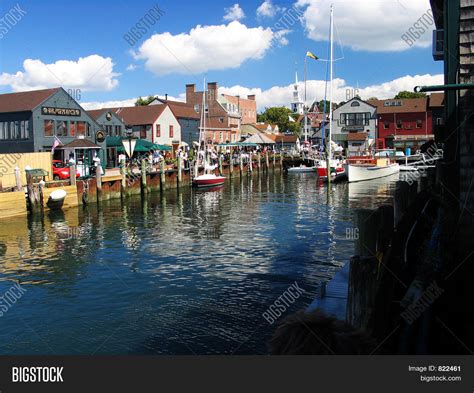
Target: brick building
(404,123)
(224,114)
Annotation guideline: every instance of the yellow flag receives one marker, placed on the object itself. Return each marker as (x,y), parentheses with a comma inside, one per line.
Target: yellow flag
(313,56)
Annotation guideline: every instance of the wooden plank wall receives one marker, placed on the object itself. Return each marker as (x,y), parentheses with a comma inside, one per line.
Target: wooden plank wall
(12,204)
(8,163)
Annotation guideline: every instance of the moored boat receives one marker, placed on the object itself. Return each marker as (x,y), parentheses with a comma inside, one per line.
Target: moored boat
(208,180)
(367,168)
(302,169)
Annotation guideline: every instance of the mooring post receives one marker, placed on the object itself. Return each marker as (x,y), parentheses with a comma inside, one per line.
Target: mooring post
(18,179)
(231,165)
(124,178)
(98,177)
(241,165)
(267,162)
(143,176)
(41,186)
(162,175)
(250,162)
(31,191)
(220,165)
(72,175)
(180,171)
(400,203)
(274,160)
(259,162)
(281,160)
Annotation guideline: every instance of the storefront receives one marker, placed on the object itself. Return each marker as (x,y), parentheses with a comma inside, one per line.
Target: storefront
(37,121)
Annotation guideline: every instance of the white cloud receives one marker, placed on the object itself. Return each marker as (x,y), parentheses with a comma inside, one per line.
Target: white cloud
(378,25)
(131,67)
(282,95)
(206,48)
(123,103)
(267,9)
(87,73)
(234,13)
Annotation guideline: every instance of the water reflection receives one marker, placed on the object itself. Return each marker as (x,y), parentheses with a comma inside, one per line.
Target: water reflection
(181,272)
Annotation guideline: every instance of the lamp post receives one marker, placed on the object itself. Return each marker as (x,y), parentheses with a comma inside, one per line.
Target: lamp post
(129,143)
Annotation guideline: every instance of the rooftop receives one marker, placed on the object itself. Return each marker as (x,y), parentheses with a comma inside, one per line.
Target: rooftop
(24,101)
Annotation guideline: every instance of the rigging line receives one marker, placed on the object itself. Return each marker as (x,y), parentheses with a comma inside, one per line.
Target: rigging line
(340,42)
(323,131)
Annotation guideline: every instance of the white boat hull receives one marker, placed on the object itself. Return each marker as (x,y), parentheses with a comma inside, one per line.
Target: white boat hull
(356,173)
(302,170)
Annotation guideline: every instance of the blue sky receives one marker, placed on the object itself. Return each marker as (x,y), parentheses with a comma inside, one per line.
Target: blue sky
(54,31)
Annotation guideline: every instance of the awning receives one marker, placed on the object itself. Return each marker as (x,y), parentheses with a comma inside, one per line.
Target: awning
(80,144)
(238,144)
(142,146)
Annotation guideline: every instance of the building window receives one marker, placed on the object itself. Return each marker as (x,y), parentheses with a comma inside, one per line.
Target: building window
(196,108)
(439,121)
(108,130)
(221,120)
(171,131)
(81,128)
(118,130)
(419,123)
(355,103)
(88,130)
(25,129)
(2,131)
(48,127)
(386,125)
(72,128)
(143,132)
(399,124)
(221,136)
(158,130)
(61,128)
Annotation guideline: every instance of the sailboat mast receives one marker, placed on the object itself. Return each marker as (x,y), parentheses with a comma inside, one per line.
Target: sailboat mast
(305,96)
(331,75)
(331,78)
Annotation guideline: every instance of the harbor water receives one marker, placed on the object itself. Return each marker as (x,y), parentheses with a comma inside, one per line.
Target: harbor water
(188,272)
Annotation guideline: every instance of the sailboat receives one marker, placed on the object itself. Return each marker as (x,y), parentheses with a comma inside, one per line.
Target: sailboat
(303,168)
(209,179)
(334,168)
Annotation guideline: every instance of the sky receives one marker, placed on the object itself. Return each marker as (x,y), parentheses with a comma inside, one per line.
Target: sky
(248,47)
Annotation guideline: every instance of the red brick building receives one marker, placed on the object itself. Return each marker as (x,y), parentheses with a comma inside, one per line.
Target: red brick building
(404,123)
(224,114)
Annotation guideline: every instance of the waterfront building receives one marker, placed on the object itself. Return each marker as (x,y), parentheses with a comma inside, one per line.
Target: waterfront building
(188,118)
(35,121)
(114,127)
(259,128)
(284,142)
(154,123)
(224,113)
(436,106)
(404,123)
(355,125)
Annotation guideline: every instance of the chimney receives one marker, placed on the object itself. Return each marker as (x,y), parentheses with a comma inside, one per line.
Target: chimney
(212,86)
(166,97)
(251,97)
(190,90)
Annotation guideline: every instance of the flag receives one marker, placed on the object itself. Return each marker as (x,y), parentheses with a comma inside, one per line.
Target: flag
(312,55)
(56,143)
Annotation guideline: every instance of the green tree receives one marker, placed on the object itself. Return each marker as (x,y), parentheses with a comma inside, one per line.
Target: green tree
(144,101)
(373,99)
(403,95)
(279,116)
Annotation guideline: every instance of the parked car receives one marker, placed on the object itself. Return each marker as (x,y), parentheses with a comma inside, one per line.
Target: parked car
(61,171)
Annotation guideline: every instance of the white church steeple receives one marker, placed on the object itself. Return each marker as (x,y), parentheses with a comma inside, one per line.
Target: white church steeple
(297,105)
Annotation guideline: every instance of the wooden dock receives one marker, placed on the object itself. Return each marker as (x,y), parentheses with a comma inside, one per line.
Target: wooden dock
(332,298)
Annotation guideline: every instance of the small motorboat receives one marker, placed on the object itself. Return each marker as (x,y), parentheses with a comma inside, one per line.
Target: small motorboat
(302,169)
(208,180)
(56,199)
(338,172)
